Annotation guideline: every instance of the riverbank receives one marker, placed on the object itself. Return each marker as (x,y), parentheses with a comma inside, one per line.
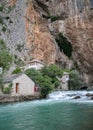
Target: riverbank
(11,99)
(61,95)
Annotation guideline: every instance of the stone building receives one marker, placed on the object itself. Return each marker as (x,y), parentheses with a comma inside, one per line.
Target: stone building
(64,81)
(20,84)
(34,64)
(1,70)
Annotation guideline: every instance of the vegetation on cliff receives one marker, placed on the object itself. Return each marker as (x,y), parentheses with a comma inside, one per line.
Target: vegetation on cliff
(64,45)
(5,56)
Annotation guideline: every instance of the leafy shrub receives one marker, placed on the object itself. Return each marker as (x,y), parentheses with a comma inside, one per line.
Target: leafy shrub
(75,81)
(1,7)
(19,47)
(17,71)
(5,56)
(7,90)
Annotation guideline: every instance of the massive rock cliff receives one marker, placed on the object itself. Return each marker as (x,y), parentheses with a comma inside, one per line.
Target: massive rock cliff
(75,21)
(37,23)
(28,35)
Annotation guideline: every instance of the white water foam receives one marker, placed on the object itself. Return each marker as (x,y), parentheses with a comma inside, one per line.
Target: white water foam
(70,95)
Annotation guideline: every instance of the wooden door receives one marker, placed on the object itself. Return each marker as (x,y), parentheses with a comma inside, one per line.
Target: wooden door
(17,87)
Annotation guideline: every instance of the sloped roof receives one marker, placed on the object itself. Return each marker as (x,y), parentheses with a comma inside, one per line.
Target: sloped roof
(35,60)
(11,78)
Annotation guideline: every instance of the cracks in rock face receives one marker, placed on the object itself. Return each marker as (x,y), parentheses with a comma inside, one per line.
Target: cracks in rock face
(43,6)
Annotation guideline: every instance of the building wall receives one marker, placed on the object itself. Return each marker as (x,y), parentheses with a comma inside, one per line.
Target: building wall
(1,92)
(25,87)
(1,70)
(64,81)
(36,66)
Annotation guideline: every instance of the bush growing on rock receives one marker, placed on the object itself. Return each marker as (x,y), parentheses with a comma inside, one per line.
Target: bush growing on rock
(5,56)
(17,71)
(7,89)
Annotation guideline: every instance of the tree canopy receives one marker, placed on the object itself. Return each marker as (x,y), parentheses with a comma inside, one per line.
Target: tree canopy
(45,78)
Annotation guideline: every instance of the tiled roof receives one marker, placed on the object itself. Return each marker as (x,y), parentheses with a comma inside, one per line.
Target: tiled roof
(11,78)
(36,61)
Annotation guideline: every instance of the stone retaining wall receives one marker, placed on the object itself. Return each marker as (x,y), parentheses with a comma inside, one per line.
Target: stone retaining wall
(8,98)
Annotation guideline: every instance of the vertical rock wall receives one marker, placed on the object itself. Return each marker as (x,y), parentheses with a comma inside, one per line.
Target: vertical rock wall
(77,26)
(39,39)
(28,28)
(38,33)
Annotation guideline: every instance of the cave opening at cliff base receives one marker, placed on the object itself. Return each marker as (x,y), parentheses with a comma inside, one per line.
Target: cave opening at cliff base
(64,45)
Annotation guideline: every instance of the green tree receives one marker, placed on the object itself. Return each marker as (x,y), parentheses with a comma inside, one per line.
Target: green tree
(44,81)
(52,71)
(46,78)
(5,59)
(46,85)
(32,73)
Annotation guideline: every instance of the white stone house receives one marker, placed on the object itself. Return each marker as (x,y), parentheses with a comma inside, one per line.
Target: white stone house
(21,85)
(34,64)
(64,81)
(1,70)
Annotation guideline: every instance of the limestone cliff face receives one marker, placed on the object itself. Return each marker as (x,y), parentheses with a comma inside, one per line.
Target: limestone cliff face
(79,29)
(32,25)
(15,35)
(38,37)
(77,26)
(28,28)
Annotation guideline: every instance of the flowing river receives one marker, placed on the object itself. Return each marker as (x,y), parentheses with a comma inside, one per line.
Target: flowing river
(60,111)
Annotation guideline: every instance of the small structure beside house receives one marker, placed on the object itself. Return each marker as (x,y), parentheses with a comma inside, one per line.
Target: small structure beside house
(1,70)
(20,84)
(1,92)
(34,64)
(64,81)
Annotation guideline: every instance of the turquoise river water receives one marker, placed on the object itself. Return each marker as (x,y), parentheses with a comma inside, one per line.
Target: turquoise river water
(58,112)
